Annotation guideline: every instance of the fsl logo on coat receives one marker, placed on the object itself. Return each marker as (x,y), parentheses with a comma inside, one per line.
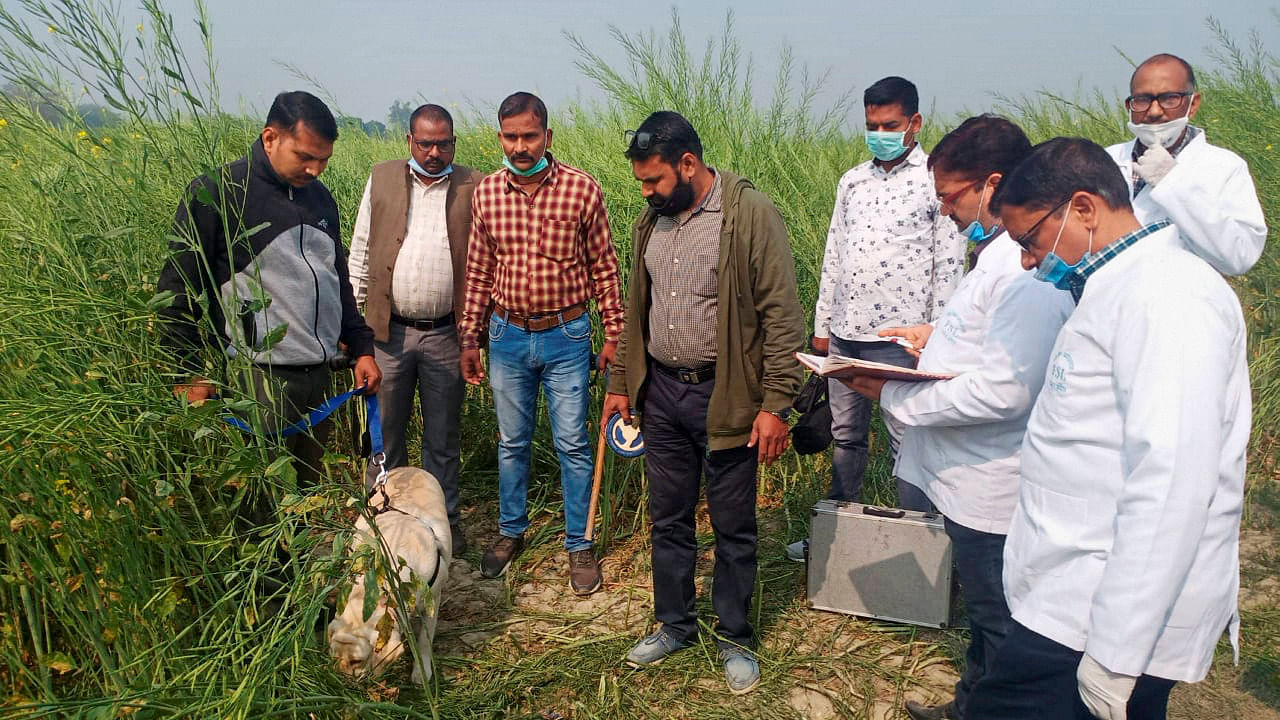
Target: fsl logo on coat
(1062,365)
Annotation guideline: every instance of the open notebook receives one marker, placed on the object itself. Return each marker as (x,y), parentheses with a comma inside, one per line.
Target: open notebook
(842,367)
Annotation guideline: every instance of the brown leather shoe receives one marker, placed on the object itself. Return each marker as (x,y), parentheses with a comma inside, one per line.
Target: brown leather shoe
(498,558)
(584,572)
(932,712)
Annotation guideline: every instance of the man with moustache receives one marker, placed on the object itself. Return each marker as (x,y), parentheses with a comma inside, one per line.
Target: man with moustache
(408,266)
(707,363)
(540,249)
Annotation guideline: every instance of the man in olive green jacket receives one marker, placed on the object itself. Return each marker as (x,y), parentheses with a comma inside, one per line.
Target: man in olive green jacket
(706,361)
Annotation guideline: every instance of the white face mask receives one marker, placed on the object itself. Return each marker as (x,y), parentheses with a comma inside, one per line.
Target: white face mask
(1165,133)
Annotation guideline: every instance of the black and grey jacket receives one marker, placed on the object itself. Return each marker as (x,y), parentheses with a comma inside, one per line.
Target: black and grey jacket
(269,257)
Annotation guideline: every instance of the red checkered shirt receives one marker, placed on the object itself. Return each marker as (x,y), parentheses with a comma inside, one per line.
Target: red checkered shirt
(542,253)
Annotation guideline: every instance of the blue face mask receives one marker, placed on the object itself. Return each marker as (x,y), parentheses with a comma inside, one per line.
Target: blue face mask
(1056,271)
(885,145)
(417,167)
(537,167)
(975,232)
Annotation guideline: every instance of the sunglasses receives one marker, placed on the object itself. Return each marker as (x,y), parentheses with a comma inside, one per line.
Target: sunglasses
(1024,241)
(642,140)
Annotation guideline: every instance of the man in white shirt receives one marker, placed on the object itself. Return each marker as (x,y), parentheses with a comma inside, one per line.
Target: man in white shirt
(963,437)
(1121,565)
(1175,174)
(408,264)
(892,259)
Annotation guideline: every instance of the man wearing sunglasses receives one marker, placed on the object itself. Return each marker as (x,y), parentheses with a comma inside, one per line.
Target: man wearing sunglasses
(408,261)
(1120,567)
(706,360)
(1175,174)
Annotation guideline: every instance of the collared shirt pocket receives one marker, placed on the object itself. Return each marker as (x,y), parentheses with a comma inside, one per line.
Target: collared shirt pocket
(558,240)
(705,281)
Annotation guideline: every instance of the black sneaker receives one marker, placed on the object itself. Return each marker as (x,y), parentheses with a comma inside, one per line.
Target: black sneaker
(498,558)
(918,711)
(584,572)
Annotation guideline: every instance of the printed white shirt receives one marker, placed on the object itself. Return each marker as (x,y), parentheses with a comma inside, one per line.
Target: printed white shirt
(422,282)
(891,259)
(1125,540)
(964,435)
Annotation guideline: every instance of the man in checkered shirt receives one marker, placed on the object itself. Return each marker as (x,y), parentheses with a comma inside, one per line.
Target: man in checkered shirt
(540,249)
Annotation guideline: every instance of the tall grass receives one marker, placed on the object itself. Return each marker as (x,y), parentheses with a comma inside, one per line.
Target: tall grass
(128,580)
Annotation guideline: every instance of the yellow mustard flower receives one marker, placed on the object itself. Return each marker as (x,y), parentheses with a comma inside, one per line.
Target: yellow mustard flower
(3,122)
(140,28)
(106,141)
(82,135)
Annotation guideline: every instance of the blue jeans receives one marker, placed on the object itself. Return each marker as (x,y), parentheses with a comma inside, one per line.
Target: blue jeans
(979,560)
(851,426)
(558,361)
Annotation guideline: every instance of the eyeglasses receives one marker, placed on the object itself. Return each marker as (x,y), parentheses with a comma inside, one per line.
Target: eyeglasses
(1168,101)
(1024,241)
(441,145)
(642,140)
(949,200)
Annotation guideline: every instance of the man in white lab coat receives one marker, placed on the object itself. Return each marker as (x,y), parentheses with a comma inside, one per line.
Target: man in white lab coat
(963,435)
(1174,173)
(1121,566)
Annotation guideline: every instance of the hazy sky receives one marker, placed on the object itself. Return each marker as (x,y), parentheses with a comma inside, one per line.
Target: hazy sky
(367,53)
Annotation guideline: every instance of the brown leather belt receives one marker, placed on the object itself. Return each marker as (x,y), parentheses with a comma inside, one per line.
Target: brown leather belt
(544,321)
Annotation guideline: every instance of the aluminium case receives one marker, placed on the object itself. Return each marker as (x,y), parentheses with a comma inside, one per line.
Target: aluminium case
(880,563)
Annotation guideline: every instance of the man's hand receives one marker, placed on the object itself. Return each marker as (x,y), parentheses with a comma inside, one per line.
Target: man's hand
(367,374)
(1105,693)
(917,335)
(605,358)
(770,434)
(821,345)
(866,386)
(472,366)
(1155,163)
(196,391)
(616,403)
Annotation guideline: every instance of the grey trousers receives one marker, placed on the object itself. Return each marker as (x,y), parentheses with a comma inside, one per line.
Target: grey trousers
(426,361)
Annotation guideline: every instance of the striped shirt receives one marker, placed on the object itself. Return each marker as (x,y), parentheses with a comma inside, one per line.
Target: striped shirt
(682,259)
(540,253)
(1095,262)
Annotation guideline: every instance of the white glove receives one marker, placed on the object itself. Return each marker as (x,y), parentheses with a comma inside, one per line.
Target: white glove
(1104,693)
(1155,163)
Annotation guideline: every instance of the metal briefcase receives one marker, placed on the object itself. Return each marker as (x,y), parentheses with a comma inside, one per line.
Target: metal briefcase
(880,563)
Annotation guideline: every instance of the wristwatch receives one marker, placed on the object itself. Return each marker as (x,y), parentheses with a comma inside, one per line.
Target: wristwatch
(784,414)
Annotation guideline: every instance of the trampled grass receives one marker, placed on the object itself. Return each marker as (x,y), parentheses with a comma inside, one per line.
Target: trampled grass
(127,583)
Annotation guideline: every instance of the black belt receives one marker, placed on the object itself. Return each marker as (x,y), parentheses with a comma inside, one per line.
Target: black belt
(688,376)
(439,322)
(291,368)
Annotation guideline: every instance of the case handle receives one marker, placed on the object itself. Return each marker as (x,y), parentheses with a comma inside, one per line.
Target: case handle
(883,512)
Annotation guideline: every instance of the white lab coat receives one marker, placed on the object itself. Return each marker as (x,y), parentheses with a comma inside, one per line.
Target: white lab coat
(965,434)
(1125,540)
(1209,195)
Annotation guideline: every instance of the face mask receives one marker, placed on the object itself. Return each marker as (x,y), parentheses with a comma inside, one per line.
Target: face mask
(886,146)
(417,167)
(677,202)
(975,232)
(1165,133)
(1056,271)
(537,168)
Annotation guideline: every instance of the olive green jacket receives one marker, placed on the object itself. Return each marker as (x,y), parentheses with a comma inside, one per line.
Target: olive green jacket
(759,323)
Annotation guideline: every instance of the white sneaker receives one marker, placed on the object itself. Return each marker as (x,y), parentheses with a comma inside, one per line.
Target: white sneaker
(798,550)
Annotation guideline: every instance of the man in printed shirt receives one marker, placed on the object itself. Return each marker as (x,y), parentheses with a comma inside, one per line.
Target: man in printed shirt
(892,259)
(408,259)
(540,248)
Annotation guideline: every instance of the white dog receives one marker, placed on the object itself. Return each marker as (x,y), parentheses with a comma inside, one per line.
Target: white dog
(416,530)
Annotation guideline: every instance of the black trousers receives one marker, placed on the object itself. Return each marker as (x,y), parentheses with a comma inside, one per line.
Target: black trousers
(1034,678)
(675,458)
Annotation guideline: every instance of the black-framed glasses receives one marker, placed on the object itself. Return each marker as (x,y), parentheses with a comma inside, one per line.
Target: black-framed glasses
(642,140)
(442,145)
(1024,240)
(1167,100)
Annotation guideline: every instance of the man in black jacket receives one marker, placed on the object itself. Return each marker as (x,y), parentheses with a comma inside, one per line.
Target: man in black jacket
(259,237)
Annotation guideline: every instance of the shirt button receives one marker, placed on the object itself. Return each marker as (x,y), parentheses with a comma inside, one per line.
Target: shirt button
(671,327)
(673,293)
(675,260)
(673,357)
